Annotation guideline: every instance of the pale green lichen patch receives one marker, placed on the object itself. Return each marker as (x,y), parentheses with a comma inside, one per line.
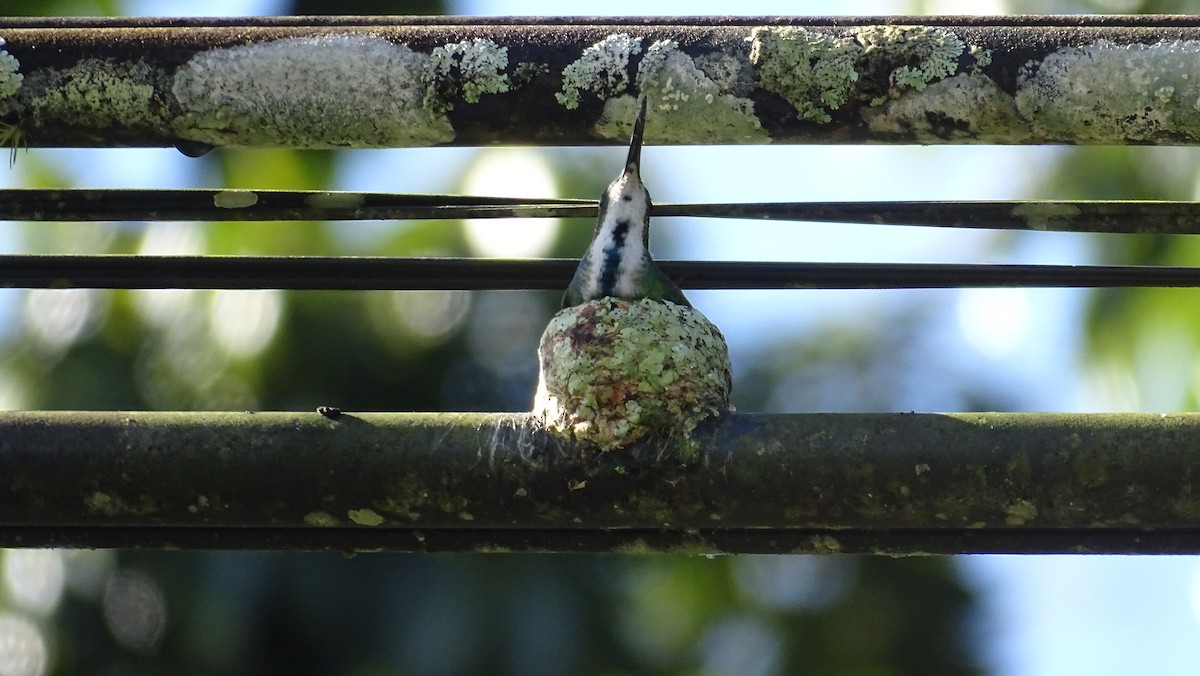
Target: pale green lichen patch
(685,105)
(93,93)
(982,57)
(10,73)
(466,70)
(813,71)
(201,504)
(313,92)
(819,72)
(364,517)
(320,520)
(1044,215)
(963,107)
(614,371)
(602,69)
(825,544)
(924,54)
(731,73)
(1110,93)
(654,59)
(235,199)
(108,504)
(1020,512)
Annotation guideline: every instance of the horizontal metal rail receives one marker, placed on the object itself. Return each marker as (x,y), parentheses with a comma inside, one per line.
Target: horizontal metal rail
(827,483)
(360,274)
(353,82)
(115,204)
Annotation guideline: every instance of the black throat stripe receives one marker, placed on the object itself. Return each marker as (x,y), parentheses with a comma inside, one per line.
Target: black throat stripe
(612,258)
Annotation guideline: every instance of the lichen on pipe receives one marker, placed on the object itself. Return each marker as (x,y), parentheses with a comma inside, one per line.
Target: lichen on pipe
(829,482)
(339,83)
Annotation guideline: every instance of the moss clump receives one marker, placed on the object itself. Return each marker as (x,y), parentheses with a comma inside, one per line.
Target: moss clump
(10,73)
(602,69)
(326,91)
(614,371)
(686,105)
(813,71)
(1113,93)
(926,53)
(466,70)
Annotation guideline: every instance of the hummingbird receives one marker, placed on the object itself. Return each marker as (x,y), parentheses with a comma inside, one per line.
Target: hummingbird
(617,262)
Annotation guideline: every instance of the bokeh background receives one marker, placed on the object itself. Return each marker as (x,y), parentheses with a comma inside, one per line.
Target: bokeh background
(130,612)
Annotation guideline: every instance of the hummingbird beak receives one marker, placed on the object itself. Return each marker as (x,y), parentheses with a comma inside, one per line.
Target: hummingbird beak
(634,161)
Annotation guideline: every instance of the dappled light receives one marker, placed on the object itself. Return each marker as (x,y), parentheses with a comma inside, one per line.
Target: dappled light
(742,644)
(162,307)
(34,579)
(430,316)
(22,647)
(994,321)
(511,172)
(56,318)
(504,336)
(244,322)
(13,394)
(87,570)
(794,582)
(136,611)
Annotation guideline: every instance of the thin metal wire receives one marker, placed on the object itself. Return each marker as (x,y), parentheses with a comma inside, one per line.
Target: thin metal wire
(343,273)
(1111,216)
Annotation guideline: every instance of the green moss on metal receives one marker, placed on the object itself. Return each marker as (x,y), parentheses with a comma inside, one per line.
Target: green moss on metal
(10,73)
(1091,467)
(819,73)
(602,69)
(917,55)
(963,107)
(1110,93)
(685,104)
(1018,470)
(981,56)
(651,508)
(321,519)
(813,71)
(200,504)
(112,504)
(319,92)
(94,93)
(825,544)
(614,371)
(365,517)
(1020,512)
(465,70)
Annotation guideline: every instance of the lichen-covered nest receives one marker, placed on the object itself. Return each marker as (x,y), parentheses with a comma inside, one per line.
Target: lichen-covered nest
(613,371)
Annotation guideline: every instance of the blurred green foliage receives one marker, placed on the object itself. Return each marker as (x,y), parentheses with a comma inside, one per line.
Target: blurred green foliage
(325,613)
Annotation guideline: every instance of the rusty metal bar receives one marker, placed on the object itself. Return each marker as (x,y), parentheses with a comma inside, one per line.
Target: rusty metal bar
(353,82)
(373,273)
(884,483)
(116,204)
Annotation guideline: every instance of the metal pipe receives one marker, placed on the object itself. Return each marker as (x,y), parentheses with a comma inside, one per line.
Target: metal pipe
(118,204)
(354,274)
(887,483)
(356,82)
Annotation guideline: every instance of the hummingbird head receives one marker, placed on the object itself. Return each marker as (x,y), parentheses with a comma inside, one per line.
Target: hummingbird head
(625,204)
(617,262)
